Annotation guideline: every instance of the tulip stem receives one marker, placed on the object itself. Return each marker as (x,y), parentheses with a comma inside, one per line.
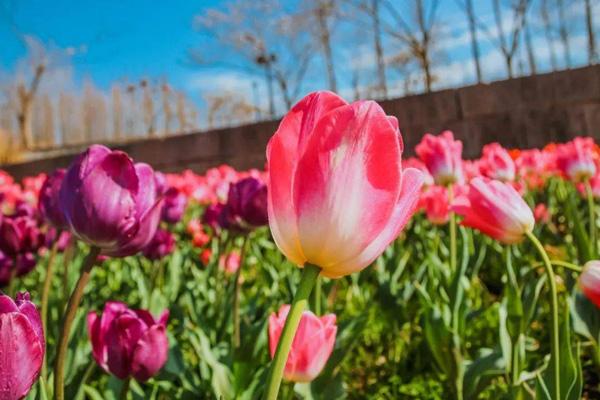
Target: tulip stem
(592,215)
(310,274)
(555,348)
(236,295)
(452,231)
(318,297)
(45,294)
(125,389)
(71,311)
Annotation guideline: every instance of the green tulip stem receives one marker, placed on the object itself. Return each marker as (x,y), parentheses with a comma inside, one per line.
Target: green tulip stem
(310,273)
(555,345)
(236,295)
(318,291)
(125,389)
(592,216)
(453,257)
(45,294)
(567,265)
(69,317)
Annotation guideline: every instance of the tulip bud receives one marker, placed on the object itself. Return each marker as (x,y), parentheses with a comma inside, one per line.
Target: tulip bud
(312,345)
(128,343)
(496,209)
(49,201)
(443,157)
(496,163)
(22,346)
(575,159)
(337,192)
(161,245)
(174,205)
(110,202)
(246,206)
(212,215)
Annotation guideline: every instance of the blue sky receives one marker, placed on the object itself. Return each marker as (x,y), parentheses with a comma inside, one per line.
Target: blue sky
(133,39)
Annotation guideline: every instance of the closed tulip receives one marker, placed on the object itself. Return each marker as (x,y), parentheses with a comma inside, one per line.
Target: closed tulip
(161,245)
(22,346)
(443,157)
(312,345)
(246,206)
(110,202)
(337,192)
(575,159)
(174,204)
(589,281)
(496,209)
(129,343)
(496,163)
(49,201)
(19,235)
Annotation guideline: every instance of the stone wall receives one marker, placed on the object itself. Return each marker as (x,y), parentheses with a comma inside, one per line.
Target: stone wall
(521,112)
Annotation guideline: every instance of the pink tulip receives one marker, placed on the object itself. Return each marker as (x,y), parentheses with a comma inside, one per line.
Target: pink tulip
(337,192)
(496,163)
(413,162)
(496,209)
(541,213)
(443,157)
(435,202)
(22,346)
(589,281)
(128,342)
(312,345)
(230,262)
(575,159)
(534,167)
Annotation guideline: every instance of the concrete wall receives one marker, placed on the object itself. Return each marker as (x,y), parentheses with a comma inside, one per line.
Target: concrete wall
(522,112)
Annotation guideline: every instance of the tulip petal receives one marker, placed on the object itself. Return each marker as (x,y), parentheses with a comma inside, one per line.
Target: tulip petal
(21,356)
(123,335)
(347,182)
(146,228)
(283,152)
(7,305)
(150,353)
(412,180)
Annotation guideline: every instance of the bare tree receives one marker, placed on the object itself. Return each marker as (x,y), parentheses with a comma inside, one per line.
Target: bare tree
(589,15)
(469,9)
(508,42)
(418,35)
(26,95)
(564,32)
(529,47)
(227,108)
(372,10)
(548,33)
(324,12)
(264,34)
(117,112)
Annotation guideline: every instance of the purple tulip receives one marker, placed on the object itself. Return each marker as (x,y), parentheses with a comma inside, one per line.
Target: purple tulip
(49,202)
(20,235)
(212,216)
(22,346)
(162,244)
(246,206)
(25,263)
(110,202)
(128,342)
(160,180)
(174,204)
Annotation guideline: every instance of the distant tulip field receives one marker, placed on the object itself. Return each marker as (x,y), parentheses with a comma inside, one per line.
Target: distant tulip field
(341,271)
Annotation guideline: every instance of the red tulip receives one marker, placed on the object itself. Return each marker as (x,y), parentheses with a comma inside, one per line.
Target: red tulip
(230,262)
(496,209)
(589,281)
(496,163)
(22,346)
(337,192)
(129,342)
(312,345)
(443,157)
(541,213)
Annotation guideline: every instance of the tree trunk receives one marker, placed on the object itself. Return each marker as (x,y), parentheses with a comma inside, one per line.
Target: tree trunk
(325,37)
(379,49)
(474,44)
(592,55)
(548,34)
(530,52)
(269,79)
(564,33)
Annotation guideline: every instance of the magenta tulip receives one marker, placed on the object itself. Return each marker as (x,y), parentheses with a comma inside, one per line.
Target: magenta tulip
(246,206)
(161,245)
(129,343)
(49,201)
(312,345)
(110,202)
(174,205)
(22,346)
